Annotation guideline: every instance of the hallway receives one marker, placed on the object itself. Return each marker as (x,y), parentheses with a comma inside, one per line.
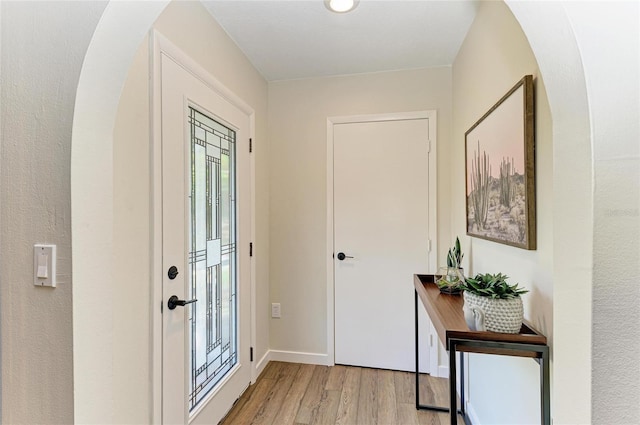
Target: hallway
(78,170)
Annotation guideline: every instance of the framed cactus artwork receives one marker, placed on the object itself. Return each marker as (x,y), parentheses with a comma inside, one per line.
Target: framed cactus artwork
(500,171)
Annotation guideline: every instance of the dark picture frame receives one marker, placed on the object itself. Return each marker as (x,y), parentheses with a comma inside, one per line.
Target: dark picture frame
(500,170)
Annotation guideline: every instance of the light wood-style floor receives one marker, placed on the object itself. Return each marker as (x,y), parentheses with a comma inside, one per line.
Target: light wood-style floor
(289,393)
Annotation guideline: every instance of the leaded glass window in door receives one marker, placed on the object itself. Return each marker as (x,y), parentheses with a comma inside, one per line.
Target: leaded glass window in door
(212,255)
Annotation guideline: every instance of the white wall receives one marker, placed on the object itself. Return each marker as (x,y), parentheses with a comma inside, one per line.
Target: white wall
(298,111)
(192,29)
(611,57)
(43,47)
(494,56)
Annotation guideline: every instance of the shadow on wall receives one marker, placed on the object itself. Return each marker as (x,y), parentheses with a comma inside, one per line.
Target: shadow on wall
(537,299)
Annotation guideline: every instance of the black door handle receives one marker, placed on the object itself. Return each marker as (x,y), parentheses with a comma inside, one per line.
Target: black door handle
(341,256)
(174,302)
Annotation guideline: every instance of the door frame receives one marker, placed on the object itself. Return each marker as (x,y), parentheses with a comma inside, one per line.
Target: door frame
(430,115)
(158,44)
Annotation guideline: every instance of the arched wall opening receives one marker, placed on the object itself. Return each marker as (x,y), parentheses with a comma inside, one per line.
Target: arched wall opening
(119,33)
(118,36)
(553,42)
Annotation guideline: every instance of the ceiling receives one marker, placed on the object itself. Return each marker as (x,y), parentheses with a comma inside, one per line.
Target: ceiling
(302,39)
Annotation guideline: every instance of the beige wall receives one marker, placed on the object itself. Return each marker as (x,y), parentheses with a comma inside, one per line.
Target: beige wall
(192,29)
(494,56)
(43,47)
(298,112)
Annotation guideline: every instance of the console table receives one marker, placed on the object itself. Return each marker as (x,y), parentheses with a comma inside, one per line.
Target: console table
(445,312)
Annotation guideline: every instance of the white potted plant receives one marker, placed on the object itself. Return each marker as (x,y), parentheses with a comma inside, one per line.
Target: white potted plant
(491,304)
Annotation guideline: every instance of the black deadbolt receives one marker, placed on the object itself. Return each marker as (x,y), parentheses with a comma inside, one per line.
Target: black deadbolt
(173,272)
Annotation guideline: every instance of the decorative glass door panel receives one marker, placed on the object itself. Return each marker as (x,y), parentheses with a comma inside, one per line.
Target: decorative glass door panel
(212,330)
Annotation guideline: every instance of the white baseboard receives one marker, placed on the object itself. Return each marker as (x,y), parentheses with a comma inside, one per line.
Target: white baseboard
(260,365)
(471,413)
(299,357)
(443,372)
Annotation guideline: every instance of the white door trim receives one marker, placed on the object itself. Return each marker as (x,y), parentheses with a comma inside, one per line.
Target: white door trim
(331,121)
(159,44)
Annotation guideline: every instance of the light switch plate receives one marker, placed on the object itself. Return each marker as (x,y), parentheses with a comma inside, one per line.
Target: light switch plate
(44,265)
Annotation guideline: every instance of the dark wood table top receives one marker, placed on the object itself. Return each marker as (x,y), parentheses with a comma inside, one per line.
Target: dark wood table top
(445,312)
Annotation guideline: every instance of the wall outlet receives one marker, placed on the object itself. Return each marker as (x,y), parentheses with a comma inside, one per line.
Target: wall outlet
(275,310)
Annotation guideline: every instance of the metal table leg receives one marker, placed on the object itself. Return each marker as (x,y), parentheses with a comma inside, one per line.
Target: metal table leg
(453,394)
(461,345)
(462,405)
(415,316)
(545,397)
(417,346)
(426,406)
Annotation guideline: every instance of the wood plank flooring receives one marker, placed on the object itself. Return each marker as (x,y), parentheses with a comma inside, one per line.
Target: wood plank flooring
(300,394)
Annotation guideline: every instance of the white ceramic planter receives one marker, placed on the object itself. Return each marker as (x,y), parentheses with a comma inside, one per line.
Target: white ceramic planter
(495,315)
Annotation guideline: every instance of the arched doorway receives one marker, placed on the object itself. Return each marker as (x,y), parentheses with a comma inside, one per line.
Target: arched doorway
(109,56)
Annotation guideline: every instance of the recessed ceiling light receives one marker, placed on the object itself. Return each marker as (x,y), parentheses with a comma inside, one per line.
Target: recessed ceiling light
(341,6)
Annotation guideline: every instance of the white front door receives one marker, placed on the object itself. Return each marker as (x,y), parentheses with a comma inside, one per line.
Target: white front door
(381,238)
(205,234)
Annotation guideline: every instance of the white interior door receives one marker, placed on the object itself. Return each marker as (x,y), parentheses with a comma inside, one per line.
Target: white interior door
(205,233)
(381,216)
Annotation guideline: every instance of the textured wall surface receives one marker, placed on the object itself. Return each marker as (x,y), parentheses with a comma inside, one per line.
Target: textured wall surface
(43,46)
(613,84)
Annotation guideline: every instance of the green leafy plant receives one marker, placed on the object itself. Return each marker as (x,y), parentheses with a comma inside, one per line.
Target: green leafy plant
(492,286)
(454,257)
(449,278)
